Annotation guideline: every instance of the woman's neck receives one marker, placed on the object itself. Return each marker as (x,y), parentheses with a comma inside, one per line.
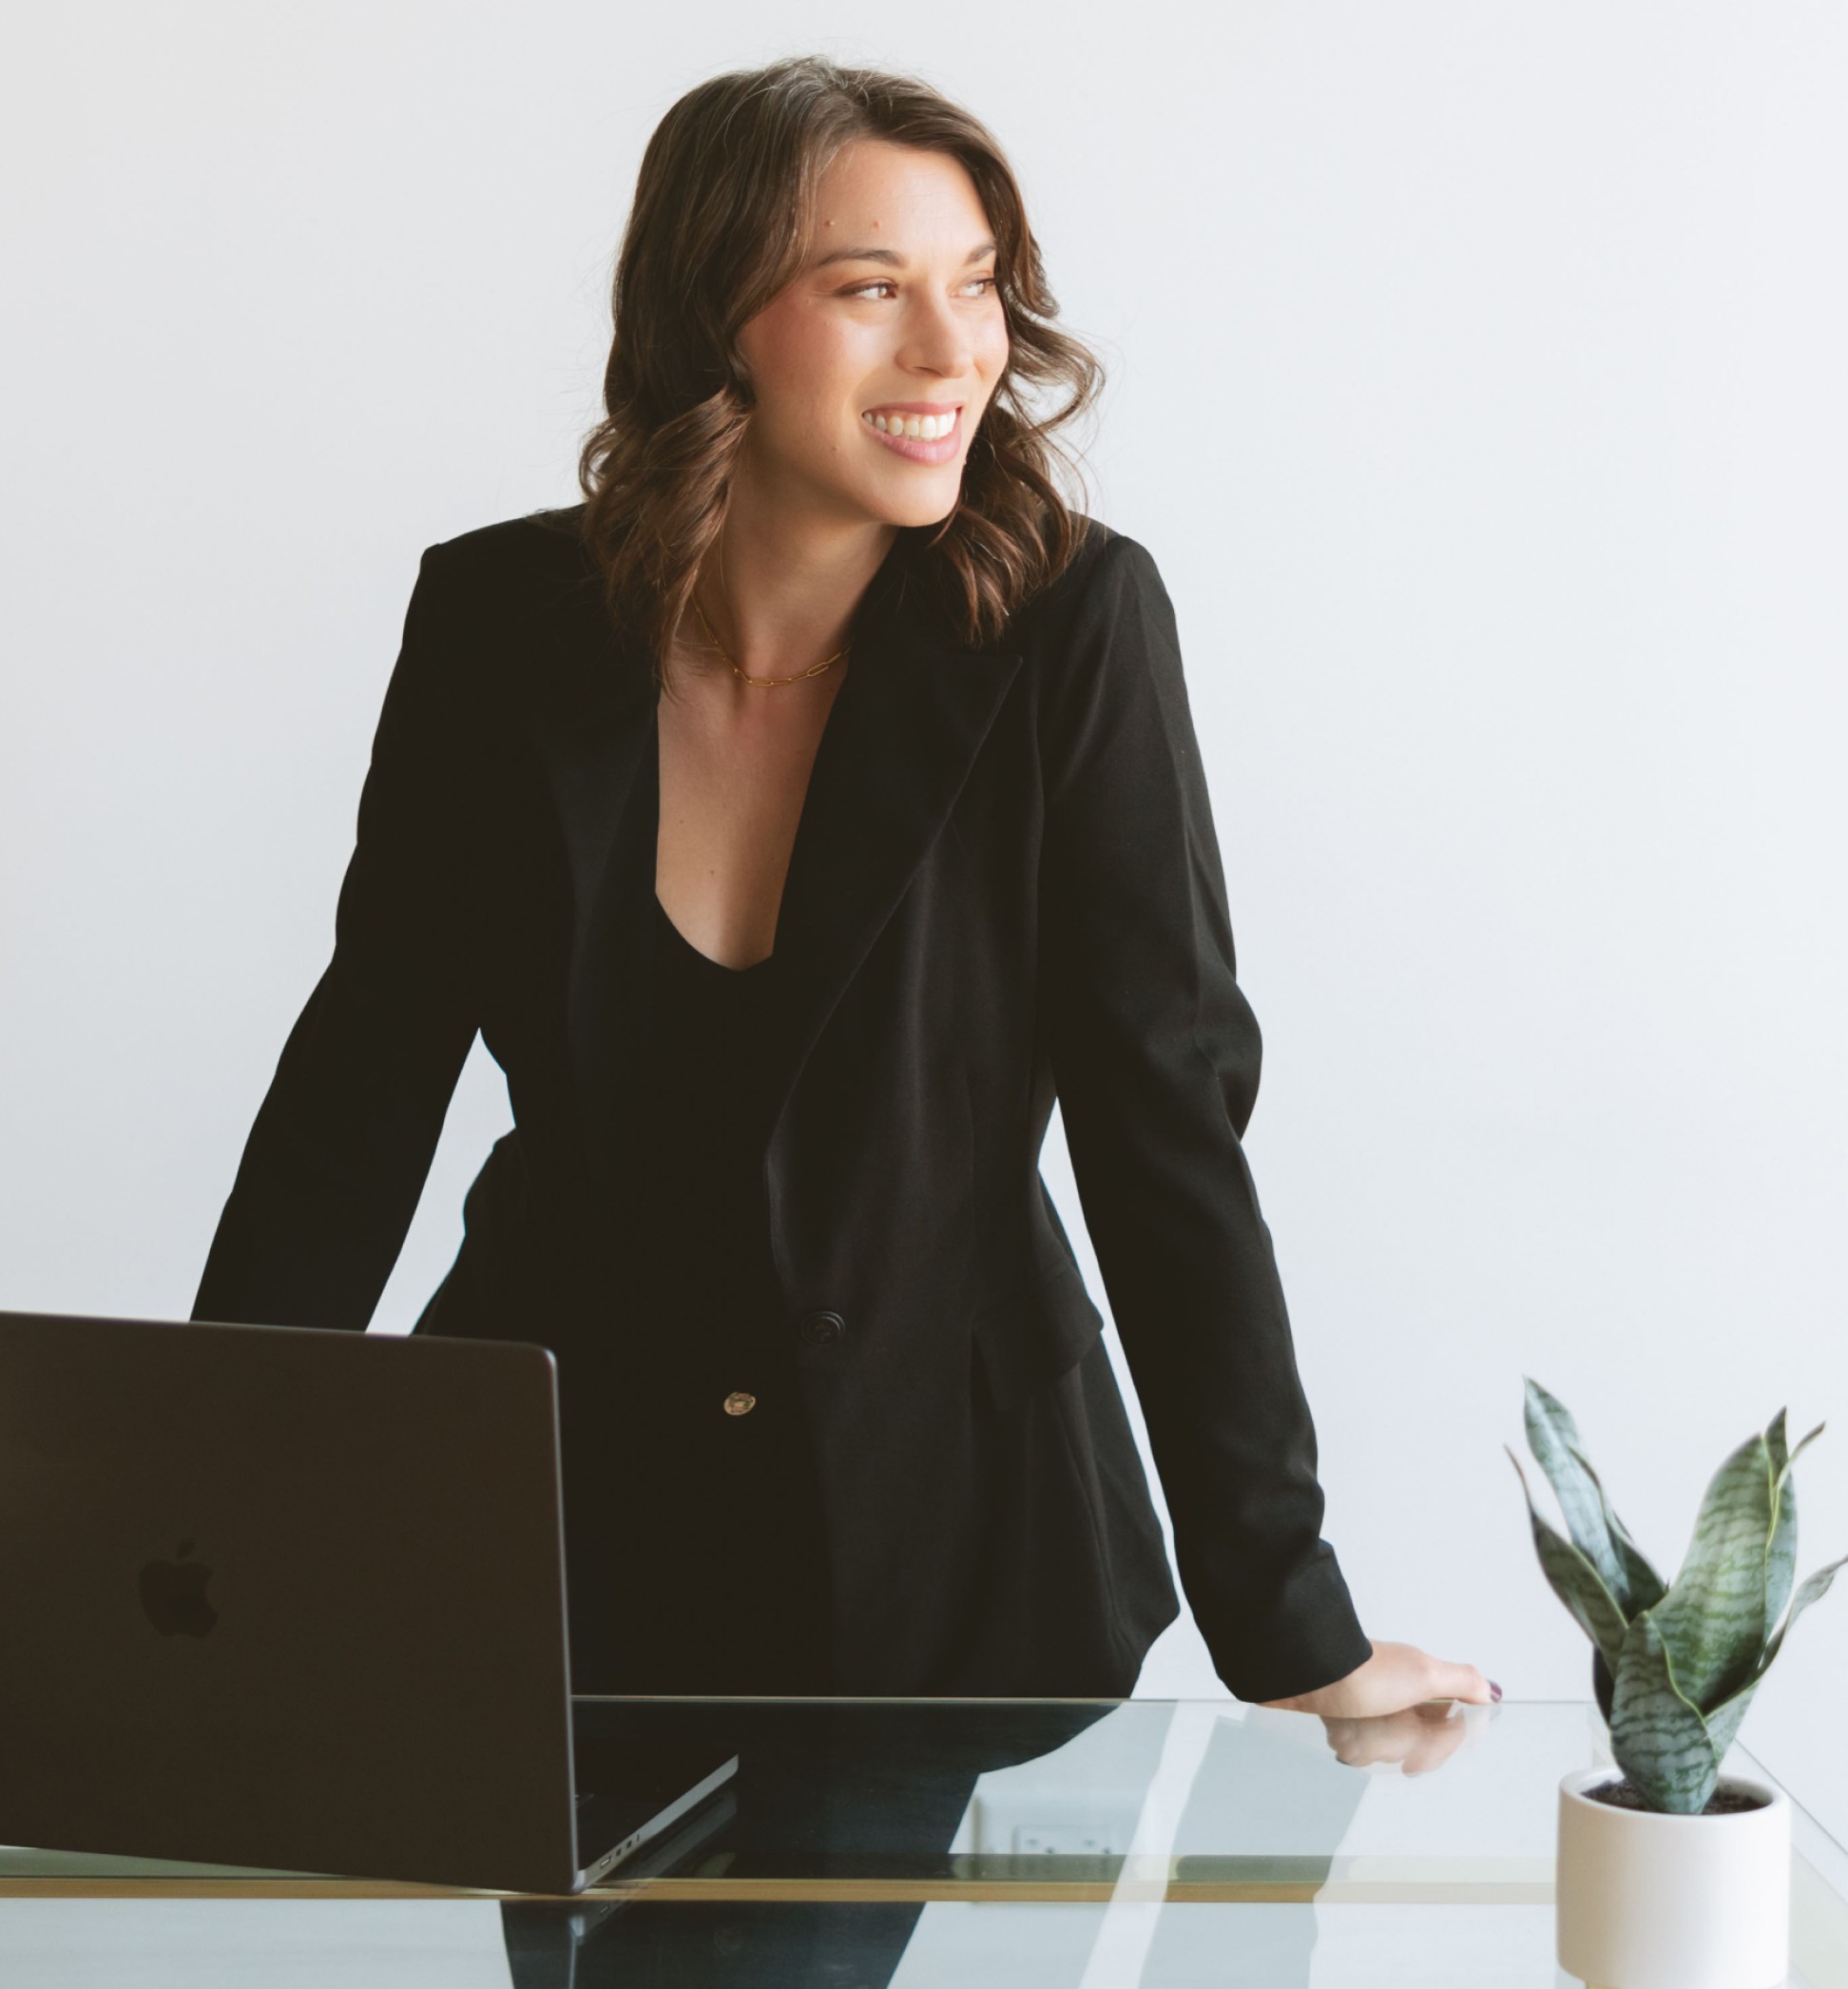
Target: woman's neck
(779,592)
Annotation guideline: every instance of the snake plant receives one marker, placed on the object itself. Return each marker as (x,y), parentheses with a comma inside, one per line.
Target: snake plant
(1674,1667)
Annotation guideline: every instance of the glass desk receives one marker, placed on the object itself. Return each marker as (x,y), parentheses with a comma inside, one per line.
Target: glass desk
(958,1843)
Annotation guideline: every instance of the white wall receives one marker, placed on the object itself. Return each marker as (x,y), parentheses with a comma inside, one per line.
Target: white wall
(1476,384)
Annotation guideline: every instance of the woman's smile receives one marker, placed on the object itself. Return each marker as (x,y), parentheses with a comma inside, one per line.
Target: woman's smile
(916,432)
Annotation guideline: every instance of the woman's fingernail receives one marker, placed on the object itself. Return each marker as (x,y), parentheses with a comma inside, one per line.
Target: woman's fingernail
(1494,1690)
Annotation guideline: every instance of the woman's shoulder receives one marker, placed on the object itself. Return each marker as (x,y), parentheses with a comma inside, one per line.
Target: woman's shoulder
(1088,636)
(1105,566)
(507,555)
(515,614)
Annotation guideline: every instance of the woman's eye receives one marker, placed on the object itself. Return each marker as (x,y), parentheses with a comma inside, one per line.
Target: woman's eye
(886,284)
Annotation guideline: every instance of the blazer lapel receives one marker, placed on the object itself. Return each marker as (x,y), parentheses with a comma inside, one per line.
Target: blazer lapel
(593,727)
(901,735)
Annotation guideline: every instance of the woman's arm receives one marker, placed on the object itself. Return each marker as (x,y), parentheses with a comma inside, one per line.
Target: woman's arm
(336,1158)
(1156,1053)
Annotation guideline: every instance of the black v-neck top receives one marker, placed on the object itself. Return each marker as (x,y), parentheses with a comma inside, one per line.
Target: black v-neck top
(708,1107)
(694,959)
(711,1019)
(707,1572)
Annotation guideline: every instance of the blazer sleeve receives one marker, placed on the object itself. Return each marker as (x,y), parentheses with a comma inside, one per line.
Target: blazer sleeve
(1155,1054)
(336,1158)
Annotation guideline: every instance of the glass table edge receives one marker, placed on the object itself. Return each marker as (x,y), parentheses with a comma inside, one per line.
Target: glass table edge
(1825,1884)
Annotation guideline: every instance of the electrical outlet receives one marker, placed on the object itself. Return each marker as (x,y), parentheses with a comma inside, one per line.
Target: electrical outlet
(1078,1837)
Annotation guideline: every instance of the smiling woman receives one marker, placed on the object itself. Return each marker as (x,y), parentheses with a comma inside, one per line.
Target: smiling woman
(810,247)
(797,817)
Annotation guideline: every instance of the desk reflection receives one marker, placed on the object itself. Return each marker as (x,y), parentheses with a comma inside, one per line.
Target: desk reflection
(864,1805)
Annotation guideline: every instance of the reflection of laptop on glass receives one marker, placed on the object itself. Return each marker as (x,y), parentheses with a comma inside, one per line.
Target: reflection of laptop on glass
(292,1598)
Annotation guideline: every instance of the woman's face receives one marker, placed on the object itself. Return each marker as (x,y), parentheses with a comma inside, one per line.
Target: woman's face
(895,313)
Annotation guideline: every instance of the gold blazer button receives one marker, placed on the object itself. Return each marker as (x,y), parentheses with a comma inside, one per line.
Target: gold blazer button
(739,1403)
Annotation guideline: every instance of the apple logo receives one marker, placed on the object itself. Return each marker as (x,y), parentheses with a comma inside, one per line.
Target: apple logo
(173,1593)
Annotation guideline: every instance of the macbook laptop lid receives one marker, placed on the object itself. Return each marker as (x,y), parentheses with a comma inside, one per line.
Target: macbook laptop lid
(295,1598)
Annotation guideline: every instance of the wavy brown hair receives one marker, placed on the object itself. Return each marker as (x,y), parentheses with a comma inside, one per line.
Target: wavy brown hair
(720,225)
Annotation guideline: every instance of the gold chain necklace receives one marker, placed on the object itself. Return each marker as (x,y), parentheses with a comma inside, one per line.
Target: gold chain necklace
(814,669)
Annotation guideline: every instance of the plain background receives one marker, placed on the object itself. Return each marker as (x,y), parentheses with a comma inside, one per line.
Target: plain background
(1476,384)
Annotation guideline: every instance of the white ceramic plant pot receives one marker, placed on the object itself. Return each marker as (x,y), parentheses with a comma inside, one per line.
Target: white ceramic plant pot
(1650,1900)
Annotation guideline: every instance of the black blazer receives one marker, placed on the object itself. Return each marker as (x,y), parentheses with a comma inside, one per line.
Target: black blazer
(1005,885)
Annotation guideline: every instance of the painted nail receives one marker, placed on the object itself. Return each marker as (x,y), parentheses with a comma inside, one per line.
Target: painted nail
(1494,1690)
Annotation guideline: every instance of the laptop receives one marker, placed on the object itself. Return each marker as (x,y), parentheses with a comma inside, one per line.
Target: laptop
(293,1598)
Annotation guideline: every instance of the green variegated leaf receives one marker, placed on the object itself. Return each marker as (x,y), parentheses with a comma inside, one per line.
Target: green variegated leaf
(1642,1587)
(1553,1437)
(1574,1580)
(1658,1736)
(1804,1446)
(1815,1586)
(1781,1562)
(1712,1621)
(1781,1550)
(1722,1722)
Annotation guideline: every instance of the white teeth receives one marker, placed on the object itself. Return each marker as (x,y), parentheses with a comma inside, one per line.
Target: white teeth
(925,428)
